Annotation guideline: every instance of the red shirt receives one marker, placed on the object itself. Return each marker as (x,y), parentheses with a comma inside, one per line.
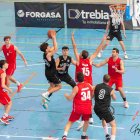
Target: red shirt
(82,102)
(9,53)
(85,67)
(111,68)
(1,72)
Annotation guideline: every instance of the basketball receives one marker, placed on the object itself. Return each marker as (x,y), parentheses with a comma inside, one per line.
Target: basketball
(50,33)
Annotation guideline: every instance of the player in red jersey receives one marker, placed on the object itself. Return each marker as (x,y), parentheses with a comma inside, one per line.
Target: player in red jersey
(115,70)
(84,64)
(10,52)
(4,97)
(82,105)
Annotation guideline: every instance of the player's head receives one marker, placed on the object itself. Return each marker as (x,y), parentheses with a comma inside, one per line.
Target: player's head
(80,77)
(115,52)
(44,47)
(106,78)
(3,64)
(84,54)
(65,50)
(7,39)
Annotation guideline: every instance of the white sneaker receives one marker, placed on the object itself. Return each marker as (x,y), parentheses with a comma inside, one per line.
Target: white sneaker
(125,56)
(80,126)
(91,121)
(126,105)
(99,55)
(45,95)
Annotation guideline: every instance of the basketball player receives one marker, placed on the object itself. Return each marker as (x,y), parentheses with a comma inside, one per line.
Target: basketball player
(50,69)
(10,52)
(4,97)
(84,64)
(62,65)
(82,105)
(102,95)
(115,70)
(114,27)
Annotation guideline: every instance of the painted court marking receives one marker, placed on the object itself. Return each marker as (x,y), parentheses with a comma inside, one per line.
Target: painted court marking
(35,137)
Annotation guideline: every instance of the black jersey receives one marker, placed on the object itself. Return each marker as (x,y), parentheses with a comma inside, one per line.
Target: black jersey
(63,62)
(115,24)
(102,96)
(50,66)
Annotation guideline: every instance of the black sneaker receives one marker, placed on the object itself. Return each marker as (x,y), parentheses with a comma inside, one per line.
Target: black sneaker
(84,137)
(64,137)
(108,137)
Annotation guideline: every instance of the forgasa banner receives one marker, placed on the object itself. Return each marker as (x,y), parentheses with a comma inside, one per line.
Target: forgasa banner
(92,16)
(39,14)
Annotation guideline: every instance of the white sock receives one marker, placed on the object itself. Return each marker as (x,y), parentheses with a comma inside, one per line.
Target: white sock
(113,137)
(46,93)
(5,115)
(125,52)
(106,129)
(18,83)
(84,134)
(65,133)
(101,51)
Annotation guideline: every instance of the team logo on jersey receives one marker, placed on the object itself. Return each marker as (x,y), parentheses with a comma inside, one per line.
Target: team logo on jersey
(101,94)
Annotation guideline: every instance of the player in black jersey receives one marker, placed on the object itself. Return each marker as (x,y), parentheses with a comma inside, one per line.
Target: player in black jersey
(114,27)
(102,95)
(62,65)
(50,70)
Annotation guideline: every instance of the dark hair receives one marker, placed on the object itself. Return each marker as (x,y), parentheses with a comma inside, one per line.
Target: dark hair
(2,62)
(44,46)
(116,50)
(106,78)
(80,77)
(6,37)
(65,47)
(85,54)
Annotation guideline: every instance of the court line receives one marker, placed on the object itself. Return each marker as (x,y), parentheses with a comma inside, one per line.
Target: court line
(38,64)
(35,137)
(99,126)
(132,103)
(63,44)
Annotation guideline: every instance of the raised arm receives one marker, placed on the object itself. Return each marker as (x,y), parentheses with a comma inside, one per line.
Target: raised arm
(72,95)
(101,63)
(74,47)
(53,49)
(21,55)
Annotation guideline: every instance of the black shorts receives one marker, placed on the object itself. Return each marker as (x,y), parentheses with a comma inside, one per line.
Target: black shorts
(52,78)
(67,78)
(104,114)
(111,35)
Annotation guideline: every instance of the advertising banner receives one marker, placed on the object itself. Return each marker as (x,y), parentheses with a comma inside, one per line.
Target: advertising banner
(39,14)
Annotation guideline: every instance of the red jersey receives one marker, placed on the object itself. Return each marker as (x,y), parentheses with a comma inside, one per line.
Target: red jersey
(1,71)
(82,102)
(111,68)
(9,53)
(86,68)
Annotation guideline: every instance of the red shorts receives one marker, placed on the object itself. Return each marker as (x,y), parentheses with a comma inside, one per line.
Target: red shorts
(76,116)
(11,69)
(118,83)
(4,97)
